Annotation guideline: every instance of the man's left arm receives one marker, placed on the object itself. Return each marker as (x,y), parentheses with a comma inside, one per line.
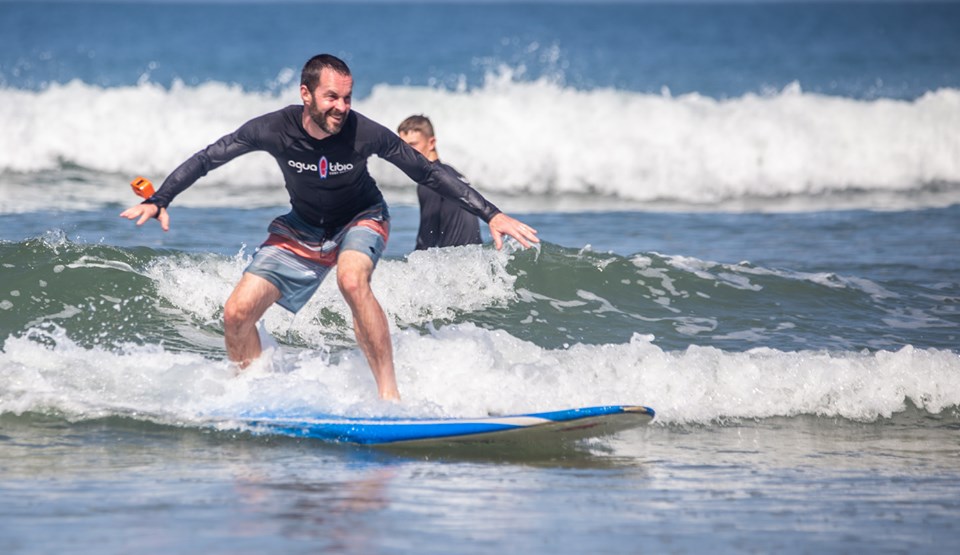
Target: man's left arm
(448,184)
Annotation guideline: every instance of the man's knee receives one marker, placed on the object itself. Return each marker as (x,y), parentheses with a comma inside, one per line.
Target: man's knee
(353,274)
(248,302)
(353,284)
(236,313)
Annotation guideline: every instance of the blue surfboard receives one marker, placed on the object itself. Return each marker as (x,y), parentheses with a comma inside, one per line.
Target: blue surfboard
(570,424)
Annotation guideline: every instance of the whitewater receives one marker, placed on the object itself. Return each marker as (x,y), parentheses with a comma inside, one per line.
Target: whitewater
(95,352)
(514,138)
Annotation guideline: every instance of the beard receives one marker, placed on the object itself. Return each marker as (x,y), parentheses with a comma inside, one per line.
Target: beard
(323,122)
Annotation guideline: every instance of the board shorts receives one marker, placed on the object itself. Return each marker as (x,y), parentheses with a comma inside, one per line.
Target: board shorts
(297,256)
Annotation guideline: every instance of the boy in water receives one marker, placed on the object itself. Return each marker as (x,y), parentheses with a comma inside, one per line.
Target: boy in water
(443,221)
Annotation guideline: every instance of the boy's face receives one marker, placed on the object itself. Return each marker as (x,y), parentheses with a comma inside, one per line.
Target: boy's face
(419,142)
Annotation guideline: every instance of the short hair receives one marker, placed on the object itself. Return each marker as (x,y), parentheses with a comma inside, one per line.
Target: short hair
(310,76)
(419,123)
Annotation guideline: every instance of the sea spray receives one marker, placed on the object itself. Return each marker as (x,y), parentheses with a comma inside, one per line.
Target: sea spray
(639,147)
(463,370)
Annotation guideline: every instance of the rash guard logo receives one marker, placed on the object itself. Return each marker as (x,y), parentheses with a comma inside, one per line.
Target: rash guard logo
(323,168)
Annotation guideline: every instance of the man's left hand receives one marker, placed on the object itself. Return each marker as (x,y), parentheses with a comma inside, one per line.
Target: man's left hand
(501,225)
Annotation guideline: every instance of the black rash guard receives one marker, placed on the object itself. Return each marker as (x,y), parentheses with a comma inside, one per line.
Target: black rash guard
(444,223)
(327,179)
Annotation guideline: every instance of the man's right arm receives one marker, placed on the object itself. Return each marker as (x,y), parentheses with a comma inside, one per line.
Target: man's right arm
(217,154)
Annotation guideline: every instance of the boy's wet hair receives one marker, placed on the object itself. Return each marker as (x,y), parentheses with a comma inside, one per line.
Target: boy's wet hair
(419,123)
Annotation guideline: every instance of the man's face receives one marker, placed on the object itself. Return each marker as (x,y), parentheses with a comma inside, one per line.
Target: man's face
(329,103)
(418,141)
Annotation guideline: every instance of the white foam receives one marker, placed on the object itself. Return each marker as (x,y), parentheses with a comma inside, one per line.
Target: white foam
(465,371)
(425,286)
(452,370)
(511,137)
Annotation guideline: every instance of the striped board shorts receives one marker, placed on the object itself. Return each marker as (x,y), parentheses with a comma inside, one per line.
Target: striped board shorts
(297,256)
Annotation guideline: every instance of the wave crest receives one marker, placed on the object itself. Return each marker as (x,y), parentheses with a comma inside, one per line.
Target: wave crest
(515,137)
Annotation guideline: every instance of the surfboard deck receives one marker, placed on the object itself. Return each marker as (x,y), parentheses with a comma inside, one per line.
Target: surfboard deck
(563,425)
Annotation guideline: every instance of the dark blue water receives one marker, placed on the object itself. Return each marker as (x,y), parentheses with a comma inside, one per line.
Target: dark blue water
(853,49)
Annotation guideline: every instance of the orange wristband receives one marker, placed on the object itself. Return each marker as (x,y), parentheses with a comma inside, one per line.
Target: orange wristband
(142,187)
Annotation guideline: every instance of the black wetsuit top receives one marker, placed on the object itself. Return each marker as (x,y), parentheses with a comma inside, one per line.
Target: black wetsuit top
(327,179)
(444,223)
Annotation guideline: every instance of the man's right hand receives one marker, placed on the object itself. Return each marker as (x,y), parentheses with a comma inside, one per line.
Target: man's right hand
(144,211)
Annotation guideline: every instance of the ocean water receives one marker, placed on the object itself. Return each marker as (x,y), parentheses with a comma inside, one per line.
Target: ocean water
(749,216)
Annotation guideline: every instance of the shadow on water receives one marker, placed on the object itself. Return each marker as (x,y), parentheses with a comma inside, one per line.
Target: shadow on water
(52,441)
(153,485)
(260,493)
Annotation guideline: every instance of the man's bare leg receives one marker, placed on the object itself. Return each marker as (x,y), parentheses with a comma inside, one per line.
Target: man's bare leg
(369,321)
(252,296)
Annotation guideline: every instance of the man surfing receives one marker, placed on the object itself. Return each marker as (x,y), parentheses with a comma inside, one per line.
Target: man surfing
(338,216)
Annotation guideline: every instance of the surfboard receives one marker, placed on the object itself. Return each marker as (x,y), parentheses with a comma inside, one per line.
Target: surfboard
(564,425)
